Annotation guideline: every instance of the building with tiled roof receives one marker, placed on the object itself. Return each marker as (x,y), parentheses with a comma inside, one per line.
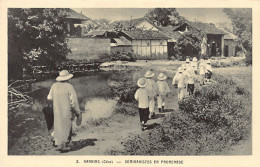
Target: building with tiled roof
(147,44)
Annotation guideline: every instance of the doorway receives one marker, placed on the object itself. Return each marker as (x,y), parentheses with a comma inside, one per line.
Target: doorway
(213,49)
(226,50)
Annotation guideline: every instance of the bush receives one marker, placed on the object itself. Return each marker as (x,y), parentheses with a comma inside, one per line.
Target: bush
(127,109)
(248,59)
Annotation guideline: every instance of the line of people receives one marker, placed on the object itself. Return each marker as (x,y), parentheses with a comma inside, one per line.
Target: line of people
(184,80)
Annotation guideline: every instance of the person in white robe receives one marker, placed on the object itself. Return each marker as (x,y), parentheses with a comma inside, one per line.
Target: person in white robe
(163,90)
(65,103)
(181,83)
(152,90)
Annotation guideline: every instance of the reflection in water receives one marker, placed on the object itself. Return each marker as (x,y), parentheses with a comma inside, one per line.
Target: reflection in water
(99,108)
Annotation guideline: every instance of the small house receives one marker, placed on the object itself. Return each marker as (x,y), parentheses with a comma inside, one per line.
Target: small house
(147,44)
(229,44)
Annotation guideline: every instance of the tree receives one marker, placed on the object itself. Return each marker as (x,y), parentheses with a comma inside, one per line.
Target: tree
(189,44)
(165,16)
(36,36)
(104,23)
(242,27)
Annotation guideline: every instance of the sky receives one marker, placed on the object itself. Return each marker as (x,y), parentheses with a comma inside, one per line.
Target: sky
(207,15)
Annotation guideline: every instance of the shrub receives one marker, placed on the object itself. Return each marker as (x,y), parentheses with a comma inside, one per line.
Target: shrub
(126,109)
(248,59)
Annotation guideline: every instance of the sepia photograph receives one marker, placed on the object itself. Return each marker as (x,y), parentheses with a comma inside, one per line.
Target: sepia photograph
(130,81)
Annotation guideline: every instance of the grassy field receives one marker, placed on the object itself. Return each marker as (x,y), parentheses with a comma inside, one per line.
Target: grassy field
(241,75)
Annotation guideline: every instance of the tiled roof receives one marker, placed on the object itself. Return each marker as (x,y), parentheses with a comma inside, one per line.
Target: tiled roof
(229,35)
(122,41)
(205,27)
(171,33)
(72,14)
(138,34)
(96,32)
(133,22)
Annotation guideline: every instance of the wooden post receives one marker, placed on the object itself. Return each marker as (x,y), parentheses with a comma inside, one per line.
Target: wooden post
(222,46)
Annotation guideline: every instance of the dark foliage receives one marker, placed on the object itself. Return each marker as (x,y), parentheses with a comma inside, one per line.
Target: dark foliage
(36,36)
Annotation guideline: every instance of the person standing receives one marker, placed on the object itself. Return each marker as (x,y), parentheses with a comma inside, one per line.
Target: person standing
(163,90)
(152,90)
(142,96)
(194,63)
(180,82)
(187,64)
(191,78)
(208,71)
(65,106)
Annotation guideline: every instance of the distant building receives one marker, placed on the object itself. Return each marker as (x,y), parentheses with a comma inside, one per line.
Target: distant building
(139,23)
(147,44)
(78,24)
(230,42)
(82,47)
(214,37)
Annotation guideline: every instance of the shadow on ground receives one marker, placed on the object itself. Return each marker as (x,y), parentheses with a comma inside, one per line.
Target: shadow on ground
(156,116)
(77,145)
(168,110)
(152,126)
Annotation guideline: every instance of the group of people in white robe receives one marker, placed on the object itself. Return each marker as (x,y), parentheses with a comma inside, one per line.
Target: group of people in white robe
(184,80)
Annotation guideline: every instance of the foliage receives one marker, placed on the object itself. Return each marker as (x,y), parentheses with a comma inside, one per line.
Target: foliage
(189,44)
(123,87)
(126,109)
(242,27)
(208,122)
(104,23)
(165,16)
(36,36)
(227,63)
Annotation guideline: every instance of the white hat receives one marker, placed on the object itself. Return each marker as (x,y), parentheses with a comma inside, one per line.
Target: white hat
(187,60)
(149,74)
(184,66)
(162,77)
(141,82)
(208,62)
(194,59)
(64,75)
(180,69)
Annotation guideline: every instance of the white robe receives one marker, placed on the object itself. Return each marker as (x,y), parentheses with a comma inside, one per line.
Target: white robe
(64,102)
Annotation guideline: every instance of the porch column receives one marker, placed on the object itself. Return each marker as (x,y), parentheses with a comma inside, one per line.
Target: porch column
(68,26)
(222,46)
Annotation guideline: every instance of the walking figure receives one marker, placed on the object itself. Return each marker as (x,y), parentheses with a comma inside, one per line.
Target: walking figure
(142,96)
(152,90)
(163,90)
